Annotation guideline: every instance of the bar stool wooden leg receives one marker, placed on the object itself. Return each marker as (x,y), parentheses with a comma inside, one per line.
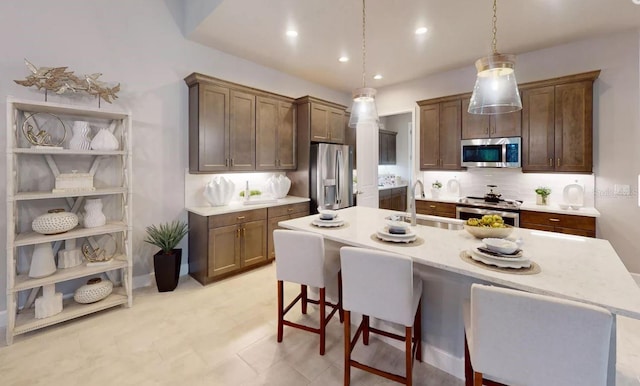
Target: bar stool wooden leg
(340,311)
(418,332)
(280,309)
(303,292)
(323,322)
(347,348)
(468,370)
(365,330)
(477,379)
(408,357)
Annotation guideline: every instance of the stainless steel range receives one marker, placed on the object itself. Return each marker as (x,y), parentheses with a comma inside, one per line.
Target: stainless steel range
(476,207)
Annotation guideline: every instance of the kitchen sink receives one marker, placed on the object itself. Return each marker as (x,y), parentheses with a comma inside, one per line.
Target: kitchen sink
(430,221)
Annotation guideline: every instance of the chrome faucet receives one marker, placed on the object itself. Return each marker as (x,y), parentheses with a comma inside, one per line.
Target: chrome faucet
(413,200)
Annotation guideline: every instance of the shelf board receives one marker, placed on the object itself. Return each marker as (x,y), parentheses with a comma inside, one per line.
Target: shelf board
(26,150)
(56,108)
(30,238)
(24,282)
(26,321)
(23,196)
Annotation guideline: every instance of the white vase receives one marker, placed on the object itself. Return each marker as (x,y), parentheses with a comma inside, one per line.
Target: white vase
(435,192)
(219,191)
(542,200)
(104,140)
(42,262)
(93,216)
(279,185)
(80,139)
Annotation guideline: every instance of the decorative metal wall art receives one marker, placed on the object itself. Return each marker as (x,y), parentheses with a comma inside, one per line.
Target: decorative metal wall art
(60,81)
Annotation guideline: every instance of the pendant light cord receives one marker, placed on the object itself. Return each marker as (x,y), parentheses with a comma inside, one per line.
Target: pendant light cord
(494,42)
(364,45)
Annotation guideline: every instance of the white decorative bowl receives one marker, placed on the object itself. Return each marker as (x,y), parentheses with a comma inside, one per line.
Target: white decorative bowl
(327,214)
(56,221)
(96,289)
(503,246)
(219,191)
(486,232)
(279,185)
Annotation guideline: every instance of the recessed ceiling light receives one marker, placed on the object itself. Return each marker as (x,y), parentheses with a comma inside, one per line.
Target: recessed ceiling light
(292,33)
(421,31)
(377,77)
(343,59)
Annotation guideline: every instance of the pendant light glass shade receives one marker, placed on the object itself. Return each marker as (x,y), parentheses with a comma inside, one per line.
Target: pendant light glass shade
(363,109)
(496,89)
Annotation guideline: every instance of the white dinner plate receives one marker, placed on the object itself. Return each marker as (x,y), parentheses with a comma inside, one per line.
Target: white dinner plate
(517,257)
(327,223)
(518,263)
(385,232)
(335,219)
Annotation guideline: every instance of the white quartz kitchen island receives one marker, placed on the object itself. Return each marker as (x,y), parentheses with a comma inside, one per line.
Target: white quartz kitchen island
(572,267)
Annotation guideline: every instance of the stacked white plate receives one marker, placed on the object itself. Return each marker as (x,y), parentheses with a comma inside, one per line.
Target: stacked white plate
(384,234)
(517,260)
(334,222)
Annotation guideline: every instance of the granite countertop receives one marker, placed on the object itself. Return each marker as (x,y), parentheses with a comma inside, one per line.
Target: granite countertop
(526,205)
(573,267)
(239,206)
(385,187)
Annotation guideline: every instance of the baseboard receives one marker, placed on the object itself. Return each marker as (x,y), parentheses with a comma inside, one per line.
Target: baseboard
(443,360)
(3,319)
(149,278)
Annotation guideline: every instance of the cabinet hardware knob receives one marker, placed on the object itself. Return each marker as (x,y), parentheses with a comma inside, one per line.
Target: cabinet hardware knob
(558,162)
(290,210)
(244,231)
(231,162)
(238,233)
(432,206)
(240,217)
(554,219)
(550,161)
(486,130)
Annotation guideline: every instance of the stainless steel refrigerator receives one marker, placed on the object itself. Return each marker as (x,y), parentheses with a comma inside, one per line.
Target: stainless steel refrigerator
(330,178)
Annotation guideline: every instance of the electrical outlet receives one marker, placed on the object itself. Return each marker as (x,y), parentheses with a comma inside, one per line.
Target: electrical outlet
(621,190)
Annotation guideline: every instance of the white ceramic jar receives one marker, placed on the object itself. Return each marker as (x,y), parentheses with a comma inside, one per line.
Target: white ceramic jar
(219,191)
(93,216)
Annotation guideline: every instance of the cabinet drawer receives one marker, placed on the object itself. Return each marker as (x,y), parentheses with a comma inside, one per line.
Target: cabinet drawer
(237,217)
(276,211)
(558,220)
(436,208)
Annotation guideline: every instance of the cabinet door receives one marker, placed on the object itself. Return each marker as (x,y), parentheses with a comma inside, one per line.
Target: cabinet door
(336,125)
(272,226)
(506,125)
(383,149)
(286,145)
(267,117)
(254,242)
(573,127)
(429,136)
(538,227)
(450,127)
(319,123)
(211,146)
(474,125)
(538,141)
(242,129)
(398,199)
(391,149)
(224,250)
(384,199)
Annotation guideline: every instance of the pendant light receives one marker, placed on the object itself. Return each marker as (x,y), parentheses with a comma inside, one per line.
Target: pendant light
(364,109)
(496,89)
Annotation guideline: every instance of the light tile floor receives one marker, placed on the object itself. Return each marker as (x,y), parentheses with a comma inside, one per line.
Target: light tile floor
(222,334)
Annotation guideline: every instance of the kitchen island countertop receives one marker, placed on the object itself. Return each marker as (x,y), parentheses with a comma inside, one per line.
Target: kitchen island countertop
(572,267)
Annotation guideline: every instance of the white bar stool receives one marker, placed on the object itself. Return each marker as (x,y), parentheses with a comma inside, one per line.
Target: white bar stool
(381,285)
(300,258)
(521,338)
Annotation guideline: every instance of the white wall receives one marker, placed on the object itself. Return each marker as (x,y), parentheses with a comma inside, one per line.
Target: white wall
(616,120)
(138,44)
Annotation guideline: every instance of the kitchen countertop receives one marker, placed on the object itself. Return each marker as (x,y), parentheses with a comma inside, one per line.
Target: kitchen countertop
(526,205)
(385,187)
(238,206)
(573,267)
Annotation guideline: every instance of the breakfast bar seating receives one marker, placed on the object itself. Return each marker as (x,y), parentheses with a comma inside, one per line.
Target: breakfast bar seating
(301,258)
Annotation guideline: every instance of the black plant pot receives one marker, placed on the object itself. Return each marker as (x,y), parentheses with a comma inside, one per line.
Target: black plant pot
(167,269)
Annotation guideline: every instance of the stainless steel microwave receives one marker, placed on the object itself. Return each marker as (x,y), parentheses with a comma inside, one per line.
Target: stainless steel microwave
(491,152)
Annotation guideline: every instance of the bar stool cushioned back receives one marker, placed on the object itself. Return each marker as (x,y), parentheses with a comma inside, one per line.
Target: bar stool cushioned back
(528,339)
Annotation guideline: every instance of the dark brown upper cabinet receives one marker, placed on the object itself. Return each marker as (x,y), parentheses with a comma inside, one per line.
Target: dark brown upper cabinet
(487,126)
(387,147)
(440,127)
(324,119)
(275,134)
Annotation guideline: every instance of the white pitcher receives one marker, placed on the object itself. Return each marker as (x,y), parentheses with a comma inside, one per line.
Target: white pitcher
(93,216)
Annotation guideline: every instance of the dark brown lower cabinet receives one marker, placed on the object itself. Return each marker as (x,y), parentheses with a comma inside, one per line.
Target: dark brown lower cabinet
(283,213)
(560,223)
(223,245)
(436,208)
(394,199)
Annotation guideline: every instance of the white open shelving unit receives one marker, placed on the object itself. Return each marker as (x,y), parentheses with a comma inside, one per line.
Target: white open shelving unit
(31,176)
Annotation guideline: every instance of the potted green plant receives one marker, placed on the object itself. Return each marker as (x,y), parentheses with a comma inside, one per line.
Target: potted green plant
(542,192)
(435,189)
(166,263)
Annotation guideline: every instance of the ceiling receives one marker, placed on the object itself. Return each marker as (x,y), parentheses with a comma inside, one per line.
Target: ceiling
(459,33)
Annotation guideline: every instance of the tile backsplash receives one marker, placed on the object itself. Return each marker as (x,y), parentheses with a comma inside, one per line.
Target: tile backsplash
(512,183)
